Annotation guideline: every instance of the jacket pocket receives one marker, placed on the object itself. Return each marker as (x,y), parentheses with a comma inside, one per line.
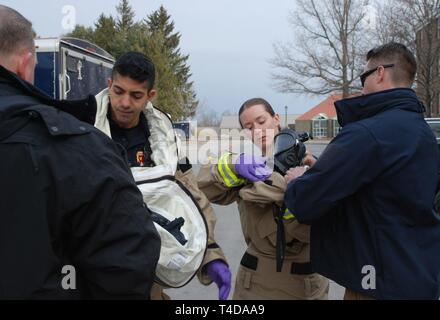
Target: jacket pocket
(297,237)
(267,229)
(267,235)
(298,231)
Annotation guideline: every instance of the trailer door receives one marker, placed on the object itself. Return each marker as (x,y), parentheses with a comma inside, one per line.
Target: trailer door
(82,74)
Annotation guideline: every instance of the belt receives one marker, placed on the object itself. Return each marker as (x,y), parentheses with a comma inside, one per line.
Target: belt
(251,262)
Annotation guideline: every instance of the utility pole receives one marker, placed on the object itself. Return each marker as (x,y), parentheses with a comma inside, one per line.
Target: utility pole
(286,117)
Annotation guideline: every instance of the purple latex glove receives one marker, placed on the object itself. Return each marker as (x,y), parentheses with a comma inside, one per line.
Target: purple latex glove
(252,168)
(219,272)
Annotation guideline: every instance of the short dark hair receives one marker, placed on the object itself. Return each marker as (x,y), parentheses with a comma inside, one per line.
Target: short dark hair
(405,64)
(137,66)
(254,102)
(15,32)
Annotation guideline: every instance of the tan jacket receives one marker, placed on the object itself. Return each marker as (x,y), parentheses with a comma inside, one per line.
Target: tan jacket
(214,252)
(255,203)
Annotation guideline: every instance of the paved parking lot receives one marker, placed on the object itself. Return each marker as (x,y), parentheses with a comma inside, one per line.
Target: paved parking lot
(229,236)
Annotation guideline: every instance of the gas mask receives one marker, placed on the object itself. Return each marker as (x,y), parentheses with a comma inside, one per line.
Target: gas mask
(289,149)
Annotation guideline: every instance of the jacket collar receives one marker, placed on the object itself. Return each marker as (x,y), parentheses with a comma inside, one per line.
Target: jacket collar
(12,84)
(17,95)
(366,106)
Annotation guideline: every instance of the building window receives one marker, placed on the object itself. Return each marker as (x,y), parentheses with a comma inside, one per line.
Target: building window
(320,127)
(336,128)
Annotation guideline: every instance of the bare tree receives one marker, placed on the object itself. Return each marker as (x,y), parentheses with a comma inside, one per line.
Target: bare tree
(206,117)
(332,38)
(416,24)
(389,25)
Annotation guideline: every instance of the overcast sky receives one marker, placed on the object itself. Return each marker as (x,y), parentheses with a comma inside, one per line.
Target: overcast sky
(229,42)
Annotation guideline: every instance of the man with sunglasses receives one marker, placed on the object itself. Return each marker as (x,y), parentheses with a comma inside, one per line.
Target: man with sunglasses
(369,198)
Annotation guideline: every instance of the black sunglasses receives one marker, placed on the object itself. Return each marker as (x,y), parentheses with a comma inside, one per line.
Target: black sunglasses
(365,75)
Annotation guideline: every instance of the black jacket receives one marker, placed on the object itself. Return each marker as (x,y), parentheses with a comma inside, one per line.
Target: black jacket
(369,199)
(67,198)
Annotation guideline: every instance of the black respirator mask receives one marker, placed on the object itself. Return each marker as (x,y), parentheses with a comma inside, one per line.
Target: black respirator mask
(289,149)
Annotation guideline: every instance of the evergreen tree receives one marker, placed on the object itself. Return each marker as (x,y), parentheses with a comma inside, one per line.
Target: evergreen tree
(159,22)
(155,37)
(125,16)
(105,29)
(82,32)
(127,31)
(169,96)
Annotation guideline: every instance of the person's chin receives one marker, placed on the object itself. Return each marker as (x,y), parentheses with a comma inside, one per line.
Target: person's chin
(259,144)
(123,121)
(267,144)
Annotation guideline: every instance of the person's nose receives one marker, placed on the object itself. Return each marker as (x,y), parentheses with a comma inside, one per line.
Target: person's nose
(125,101)
(258,132)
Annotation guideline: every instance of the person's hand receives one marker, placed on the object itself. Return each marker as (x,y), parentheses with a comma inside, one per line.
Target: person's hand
(309,160)
(295,173)
(252,168)
(219,272)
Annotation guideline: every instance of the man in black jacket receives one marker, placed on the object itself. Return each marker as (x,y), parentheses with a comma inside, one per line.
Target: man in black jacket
(72,221)
(369,198)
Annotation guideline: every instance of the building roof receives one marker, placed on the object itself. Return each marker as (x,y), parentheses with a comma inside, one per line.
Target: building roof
(325,108)
(231,122)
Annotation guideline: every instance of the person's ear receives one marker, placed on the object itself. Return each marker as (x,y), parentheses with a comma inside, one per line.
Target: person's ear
(152,94)
(380,74)
(25,66)
(277,119)
(109,83)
